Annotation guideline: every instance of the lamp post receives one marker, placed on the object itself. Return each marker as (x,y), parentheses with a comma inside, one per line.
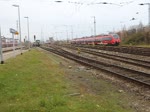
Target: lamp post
(28,31)
(19,25)
(1,52)
(94,27)
(148,11)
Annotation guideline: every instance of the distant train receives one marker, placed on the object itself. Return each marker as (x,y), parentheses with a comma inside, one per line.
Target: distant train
(110,39)
(36,43)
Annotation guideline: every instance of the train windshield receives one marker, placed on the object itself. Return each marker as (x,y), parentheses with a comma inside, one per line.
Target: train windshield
(107,38)
(116,36)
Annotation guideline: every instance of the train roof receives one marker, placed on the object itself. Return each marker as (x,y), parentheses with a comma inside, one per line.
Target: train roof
(92,37)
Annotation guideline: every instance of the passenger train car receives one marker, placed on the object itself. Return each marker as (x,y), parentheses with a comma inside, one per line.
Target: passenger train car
(8,42)
(110,39)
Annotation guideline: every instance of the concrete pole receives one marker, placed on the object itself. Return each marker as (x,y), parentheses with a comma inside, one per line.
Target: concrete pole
(13,45)
(72,32)
(1,52)
(19,28)
(67,35)
(149,13)
(19,25)
(28,32)
(94,26)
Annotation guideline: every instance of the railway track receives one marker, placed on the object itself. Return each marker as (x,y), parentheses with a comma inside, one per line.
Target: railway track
(131,75)
(122,58)
(123,49)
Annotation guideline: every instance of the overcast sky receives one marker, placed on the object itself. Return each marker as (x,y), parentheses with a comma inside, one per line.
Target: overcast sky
(71,17)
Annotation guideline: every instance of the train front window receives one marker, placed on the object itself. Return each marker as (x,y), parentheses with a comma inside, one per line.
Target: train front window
(116,36)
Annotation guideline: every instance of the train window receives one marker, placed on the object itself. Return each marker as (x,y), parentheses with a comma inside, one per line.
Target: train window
(107,38)
(99,39)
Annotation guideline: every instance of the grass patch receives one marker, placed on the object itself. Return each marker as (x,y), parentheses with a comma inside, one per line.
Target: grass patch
(34,82)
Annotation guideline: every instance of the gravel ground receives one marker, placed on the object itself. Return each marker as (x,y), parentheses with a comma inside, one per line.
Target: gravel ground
(138,97)
(12,54)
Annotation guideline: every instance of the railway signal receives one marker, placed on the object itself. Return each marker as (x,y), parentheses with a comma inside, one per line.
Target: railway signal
(34,37)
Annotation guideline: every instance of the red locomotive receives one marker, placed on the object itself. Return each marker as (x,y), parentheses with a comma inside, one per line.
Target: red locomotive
(110,39)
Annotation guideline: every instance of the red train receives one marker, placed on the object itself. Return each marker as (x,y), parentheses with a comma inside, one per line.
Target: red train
(110,39)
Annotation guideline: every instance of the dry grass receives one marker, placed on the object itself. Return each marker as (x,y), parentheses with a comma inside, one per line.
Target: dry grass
(34,82)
